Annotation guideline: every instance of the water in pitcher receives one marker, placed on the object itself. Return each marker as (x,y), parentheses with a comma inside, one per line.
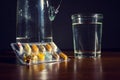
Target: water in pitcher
(34,19)
(87,39)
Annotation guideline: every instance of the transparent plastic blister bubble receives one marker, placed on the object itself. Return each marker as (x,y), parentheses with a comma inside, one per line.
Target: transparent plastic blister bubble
(35,53)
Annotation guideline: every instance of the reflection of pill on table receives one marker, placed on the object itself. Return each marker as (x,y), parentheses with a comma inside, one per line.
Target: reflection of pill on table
(35,48)
(48,47)
(41,67)
(54,47)
(42,48)
(62,55)
(27,49)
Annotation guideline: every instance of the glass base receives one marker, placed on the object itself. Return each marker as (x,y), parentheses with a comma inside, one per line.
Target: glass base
(87,55)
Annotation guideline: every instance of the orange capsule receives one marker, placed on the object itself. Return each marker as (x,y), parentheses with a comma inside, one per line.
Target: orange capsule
(62,55)
(35,48)
(48,47)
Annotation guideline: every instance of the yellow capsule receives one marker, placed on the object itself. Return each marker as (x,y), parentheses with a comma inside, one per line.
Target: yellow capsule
(27,49)
(62,55)
(24,58)
(35,59)
(41,56)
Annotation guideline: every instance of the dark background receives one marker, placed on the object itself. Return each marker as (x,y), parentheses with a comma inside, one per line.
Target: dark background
(62,29)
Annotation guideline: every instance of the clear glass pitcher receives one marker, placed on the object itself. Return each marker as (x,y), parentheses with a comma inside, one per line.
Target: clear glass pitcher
(34,19)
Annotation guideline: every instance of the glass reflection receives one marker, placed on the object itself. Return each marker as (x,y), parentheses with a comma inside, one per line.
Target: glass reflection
(89,67)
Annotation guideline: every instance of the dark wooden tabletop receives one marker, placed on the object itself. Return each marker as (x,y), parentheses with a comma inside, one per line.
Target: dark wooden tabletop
(105,68)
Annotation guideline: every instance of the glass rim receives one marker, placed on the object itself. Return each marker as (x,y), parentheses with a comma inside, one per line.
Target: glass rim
(87,15)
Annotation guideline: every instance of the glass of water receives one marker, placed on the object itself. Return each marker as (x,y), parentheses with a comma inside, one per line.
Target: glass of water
(87,34)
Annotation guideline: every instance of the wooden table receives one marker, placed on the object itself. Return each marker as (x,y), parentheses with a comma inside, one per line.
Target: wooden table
(105,68)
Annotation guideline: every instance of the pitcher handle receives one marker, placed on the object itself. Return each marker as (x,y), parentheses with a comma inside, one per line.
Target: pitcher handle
(52,11)
(57,9)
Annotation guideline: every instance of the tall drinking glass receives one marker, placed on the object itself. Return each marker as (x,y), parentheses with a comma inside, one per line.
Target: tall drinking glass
(87,34)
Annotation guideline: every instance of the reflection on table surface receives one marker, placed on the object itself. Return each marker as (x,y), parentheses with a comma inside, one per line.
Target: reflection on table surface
(106,67)
(41,71)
